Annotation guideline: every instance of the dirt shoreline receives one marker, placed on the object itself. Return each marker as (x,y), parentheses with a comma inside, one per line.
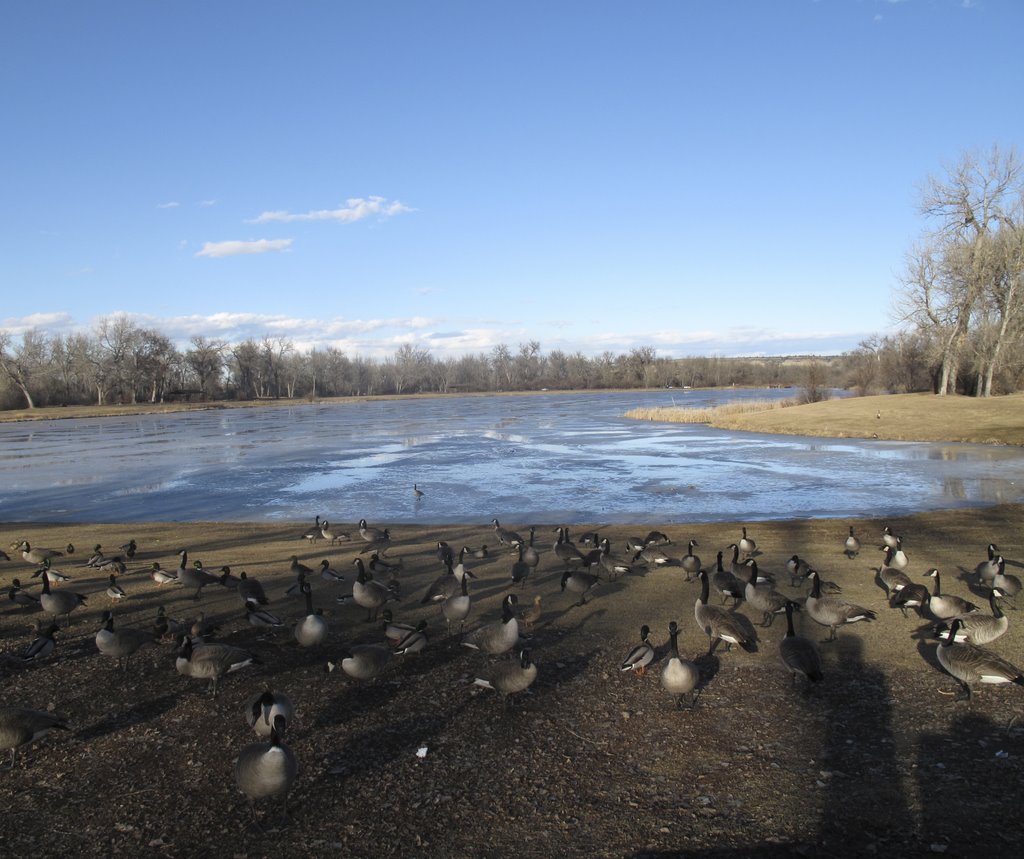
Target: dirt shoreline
(591,761)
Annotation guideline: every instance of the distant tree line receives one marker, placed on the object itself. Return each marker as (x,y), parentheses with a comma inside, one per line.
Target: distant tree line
(961,303)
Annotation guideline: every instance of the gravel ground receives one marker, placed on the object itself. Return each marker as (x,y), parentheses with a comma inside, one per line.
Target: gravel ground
(876,759)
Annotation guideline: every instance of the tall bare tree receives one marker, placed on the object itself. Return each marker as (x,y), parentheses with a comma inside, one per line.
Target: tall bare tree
(24,363)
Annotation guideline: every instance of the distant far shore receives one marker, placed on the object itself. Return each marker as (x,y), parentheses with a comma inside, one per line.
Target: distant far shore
(893,417)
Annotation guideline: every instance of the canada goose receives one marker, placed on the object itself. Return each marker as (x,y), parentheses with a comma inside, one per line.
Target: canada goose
(888,538)
(679,676)
(590,538)
(657,538)
(640,655)
(310,630)
(510,678)
(479,553)
(210,661)
(380,545)
(899,558)
(114,590)
(890,578)
(121,643)
(443,587)
(978,627)
(946,606)
(746,545)
(565,550)
(851,548)
(763,598)
(195,577)
(727,584)
(832,611)
(262,709)
(798,569)
(614,567)
(331,533)
(531,555)
(21,597)
(690,562)
(531,615)
(445,554)
(313,533)
(579,583)
(520,569)
(268,769)
(250,590)
(56,576)
(378,564)
(635,544)
(62,602)
(717,623)
(20,726)
(969,663)
(1008,584)
(417,492)
(328,573)
(371,535)
(161,576)
(800,655)
(38,554)
(460,569)
(414,640)
(653,557)
(368,593)
(987,569)
(261,617)
(914,595)
(499,636)
(505,536)
(363,661)
(40,647)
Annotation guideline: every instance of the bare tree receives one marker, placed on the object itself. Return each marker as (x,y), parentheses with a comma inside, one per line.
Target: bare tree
(25,363)
(206,360)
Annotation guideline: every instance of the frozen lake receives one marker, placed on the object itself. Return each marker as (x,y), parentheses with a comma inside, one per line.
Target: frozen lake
(552,458)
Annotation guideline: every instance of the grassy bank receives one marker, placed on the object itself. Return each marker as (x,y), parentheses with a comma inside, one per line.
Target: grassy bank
(900,417)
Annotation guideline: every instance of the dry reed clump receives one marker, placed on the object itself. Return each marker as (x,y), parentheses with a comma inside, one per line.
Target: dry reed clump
(675,414)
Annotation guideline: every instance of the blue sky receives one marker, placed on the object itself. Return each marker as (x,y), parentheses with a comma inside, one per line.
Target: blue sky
(704,178)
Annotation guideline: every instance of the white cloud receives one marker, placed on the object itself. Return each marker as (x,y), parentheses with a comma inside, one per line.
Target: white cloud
(51,323)
(173,204)
(355,209)
(207,203)
(235,248)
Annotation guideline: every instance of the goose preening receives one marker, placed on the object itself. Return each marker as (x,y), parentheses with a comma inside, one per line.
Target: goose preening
(580,583)
(978,627)
(800,655)
(798,569)
(211,661)
(510,678)
(444,586)
(717,623)
(613,566)
(565,550)
(746,545)
(914,595)
(363,661)
(851,547)
(726,584)
(262,709)
(969,663)
(498,636)
(249,589)
(20,726)
(122,642)
(987,569)
(1008,585)
(657,538)
(832,611)
(311,629)
(946,606)
(888,538)
(267,770)
(640,655)
(889,577)
(679,676)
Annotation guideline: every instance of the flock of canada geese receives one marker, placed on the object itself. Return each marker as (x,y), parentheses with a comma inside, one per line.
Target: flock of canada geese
(267,768)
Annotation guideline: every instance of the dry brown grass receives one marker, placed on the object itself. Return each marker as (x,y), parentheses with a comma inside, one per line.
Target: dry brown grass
(901,417)
(708,415)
